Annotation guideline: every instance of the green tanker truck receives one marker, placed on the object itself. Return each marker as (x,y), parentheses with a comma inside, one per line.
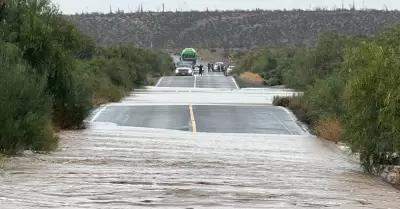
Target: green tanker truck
(189,55)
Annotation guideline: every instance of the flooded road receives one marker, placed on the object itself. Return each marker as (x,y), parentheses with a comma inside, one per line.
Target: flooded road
(115,165)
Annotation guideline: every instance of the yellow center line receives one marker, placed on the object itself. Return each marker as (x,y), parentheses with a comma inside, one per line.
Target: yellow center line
(194,128)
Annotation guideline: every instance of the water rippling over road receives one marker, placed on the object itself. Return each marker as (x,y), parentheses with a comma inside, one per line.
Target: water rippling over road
(111,166)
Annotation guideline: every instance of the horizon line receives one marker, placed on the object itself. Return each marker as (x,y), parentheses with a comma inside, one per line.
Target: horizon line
(315,9)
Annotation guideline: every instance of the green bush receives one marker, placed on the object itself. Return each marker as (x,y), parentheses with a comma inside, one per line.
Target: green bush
(351,92)
(25,106)
(49,44)
(297,67)
(53,75)
(324,98)
(298,70)
(75,104)
(371,99)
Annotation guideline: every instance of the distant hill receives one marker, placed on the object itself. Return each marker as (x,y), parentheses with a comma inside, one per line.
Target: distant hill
(230,29)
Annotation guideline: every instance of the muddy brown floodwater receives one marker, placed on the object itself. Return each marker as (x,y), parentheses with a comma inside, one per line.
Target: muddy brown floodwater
(107,166)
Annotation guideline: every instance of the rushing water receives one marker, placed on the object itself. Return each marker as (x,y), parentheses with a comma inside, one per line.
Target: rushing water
(119,167)
(108,166)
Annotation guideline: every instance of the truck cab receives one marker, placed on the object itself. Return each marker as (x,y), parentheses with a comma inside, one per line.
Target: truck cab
(189,55)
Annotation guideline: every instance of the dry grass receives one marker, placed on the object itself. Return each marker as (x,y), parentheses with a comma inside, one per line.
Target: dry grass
(107,94)
(97,101)
(329,129)
(252,77)
(295,104)
(281,101)
(152,81)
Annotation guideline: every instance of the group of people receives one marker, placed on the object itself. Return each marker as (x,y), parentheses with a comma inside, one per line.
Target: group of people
(209,68)
(220,67)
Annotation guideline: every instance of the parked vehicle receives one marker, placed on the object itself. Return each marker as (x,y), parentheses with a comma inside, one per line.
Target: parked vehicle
(190,55)
(229,69)
(184,69)
(218,66)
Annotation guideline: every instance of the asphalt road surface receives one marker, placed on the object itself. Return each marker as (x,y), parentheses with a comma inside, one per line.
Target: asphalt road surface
(264,119)
(211,80)
(161,116)
(177,81)
(204,118)
(245,119)
(192,142)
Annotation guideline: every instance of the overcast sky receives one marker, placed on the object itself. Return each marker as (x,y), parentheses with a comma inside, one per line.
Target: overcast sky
(73,6)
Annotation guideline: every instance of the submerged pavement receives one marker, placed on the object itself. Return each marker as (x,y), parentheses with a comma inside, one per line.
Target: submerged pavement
(109,166)
(187,147)
(212,80)
(204,118)
(216,106)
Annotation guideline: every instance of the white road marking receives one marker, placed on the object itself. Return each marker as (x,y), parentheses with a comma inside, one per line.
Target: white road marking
(159,81)
(98,113)
(282,123)
(125,118)
(234,81)
(147,103)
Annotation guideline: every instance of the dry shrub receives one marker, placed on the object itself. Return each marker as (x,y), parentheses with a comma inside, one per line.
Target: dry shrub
(97,101)
(296,104)
(300,109)
(281,101)
(329,129)
(152,81)
(253,77)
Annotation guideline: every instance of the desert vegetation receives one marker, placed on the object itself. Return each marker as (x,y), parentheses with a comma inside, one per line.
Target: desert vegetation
(52,75)
(350,90)
(229,29)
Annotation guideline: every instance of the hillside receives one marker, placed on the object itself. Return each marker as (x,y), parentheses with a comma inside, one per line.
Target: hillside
(229,29)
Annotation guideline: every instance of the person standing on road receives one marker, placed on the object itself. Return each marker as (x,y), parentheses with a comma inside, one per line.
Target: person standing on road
(208,66)
(201,70)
